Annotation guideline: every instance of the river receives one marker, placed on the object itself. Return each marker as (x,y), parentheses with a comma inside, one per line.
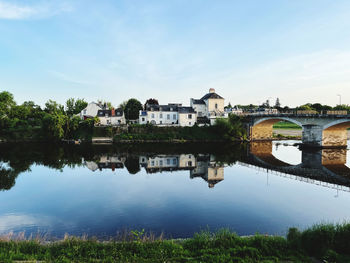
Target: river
(177,190)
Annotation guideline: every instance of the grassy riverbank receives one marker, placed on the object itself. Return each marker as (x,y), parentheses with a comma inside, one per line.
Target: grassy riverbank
(286,125)
(321,242)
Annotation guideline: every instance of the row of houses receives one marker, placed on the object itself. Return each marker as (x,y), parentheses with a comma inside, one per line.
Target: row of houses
(201,111)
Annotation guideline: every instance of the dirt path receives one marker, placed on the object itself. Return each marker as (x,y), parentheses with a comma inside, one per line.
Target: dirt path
(293,132)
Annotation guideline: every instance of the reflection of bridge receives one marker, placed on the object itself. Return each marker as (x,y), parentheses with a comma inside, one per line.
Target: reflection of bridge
(323,167)
(318,130)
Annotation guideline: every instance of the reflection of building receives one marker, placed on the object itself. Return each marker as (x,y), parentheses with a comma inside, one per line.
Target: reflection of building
(209,170)
(203,165)
(106,162)
(161,163)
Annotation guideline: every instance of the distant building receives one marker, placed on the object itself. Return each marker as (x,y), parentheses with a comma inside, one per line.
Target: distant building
(111,117)
(210,106)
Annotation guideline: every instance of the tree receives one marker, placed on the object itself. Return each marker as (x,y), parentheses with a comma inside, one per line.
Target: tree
(229,106)
(75,106)
(123,104)
(277,103)
(132,108)
(53,107)
(151,102)
(6,103)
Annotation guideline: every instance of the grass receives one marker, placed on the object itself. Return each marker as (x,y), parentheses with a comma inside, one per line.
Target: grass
(286,125)
(328,243)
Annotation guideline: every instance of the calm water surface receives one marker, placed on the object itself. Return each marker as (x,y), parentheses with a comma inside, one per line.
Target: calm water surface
(101,190)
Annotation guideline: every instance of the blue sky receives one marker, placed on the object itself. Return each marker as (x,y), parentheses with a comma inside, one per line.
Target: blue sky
(249,51)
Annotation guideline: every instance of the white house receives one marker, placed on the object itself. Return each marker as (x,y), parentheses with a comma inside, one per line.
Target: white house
(160,114)
(210,106)
(90,111)
(111,117)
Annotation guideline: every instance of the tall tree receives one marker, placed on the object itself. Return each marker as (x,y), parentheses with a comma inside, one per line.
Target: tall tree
(75,106)
(53,107)
(277,103)
(151,102)
(132,108)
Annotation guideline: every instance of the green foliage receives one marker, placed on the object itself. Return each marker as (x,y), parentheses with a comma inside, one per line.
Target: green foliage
(231,128)
(132,109)
(75,106)
(53,107)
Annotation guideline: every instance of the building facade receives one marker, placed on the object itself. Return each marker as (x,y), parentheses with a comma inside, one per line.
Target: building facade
(111,117)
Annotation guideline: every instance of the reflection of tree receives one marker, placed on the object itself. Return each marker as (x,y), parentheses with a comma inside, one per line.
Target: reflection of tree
(7,179)
(132,164)
(21,156)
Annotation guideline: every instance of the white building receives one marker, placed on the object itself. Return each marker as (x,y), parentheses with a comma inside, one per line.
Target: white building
(111,117)
(90,111)
(210,107)
(160,114)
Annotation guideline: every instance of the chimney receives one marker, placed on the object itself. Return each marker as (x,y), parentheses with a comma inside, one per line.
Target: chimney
(113,112)
(211,90)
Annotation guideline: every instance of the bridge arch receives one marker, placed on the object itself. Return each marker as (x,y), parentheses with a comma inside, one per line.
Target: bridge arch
(335,133)
(262,129)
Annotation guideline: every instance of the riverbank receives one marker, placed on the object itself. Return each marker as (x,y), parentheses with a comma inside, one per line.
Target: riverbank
(292,133)
(327,243)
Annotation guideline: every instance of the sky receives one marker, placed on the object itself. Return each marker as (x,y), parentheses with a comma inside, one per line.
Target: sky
(174,50)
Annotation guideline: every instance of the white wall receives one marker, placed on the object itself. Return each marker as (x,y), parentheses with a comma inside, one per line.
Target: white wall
(185,120)
(160,117)
(115,120)
(90,110)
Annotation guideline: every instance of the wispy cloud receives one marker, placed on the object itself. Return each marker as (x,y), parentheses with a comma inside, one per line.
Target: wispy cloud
(43,9)
(65,77)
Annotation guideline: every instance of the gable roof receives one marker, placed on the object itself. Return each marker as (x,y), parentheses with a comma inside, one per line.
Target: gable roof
(198,101)
(211,95)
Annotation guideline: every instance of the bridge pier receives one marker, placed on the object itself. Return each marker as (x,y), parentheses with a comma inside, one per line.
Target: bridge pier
(312,135)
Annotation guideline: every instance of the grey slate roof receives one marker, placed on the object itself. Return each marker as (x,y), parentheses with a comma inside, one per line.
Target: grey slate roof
(211,96)
(198,101)
(186,110)
(153,107)
(118,113)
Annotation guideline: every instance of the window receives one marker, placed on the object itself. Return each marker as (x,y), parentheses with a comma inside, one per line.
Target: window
(189,163)
(152,163)
(190,116)
(189,123)
(216,105)
(160,122)
(174,117)
(84,111)
(161,115)
(168,116)
(174,161)
(152,115)
(168,161)
(161,163)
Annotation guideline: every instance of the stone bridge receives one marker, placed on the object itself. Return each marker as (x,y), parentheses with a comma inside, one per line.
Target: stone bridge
(318,130)
(323,165)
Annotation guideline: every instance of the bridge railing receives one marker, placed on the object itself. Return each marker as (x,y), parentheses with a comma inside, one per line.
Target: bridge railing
(305,113)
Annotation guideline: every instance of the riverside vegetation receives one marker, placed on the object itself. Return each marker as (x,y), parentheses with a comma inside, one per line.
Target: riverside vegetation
(326,242)
(28,122)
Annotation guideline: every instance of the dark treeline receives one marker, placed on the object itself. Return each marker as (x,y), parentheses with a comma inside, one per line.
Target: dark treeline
(29,121)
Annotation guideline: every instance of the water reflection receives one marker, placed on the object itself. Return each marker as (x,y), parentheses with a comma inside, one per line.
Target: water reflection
(92,189)
(326,165)
(202,165)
